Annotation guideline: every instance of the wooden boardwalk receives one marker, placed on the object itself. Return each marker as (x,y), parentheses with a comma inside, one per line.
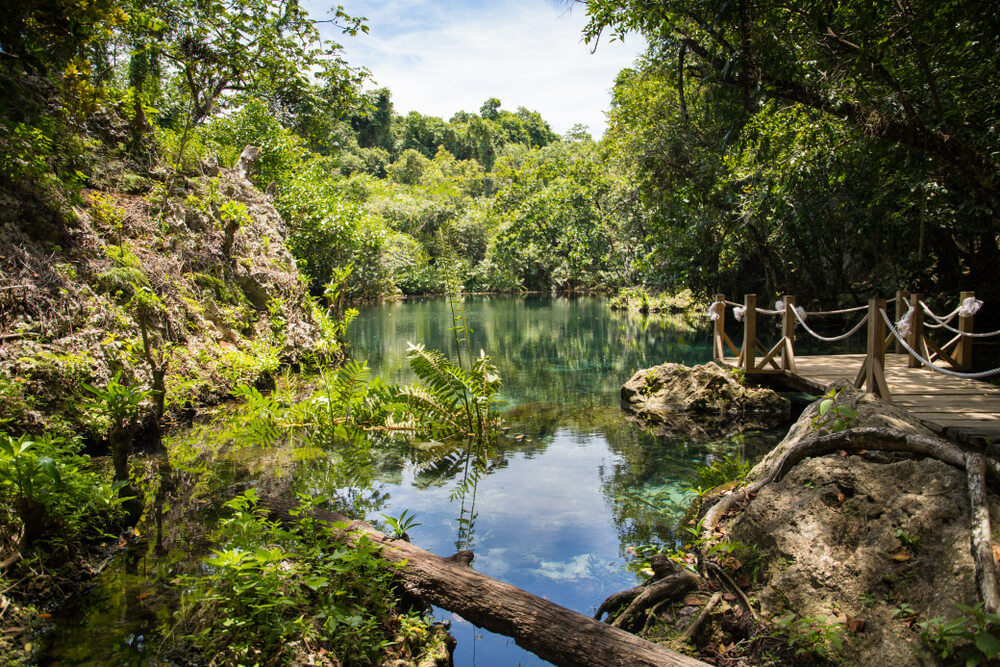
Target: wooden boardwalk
(966,410)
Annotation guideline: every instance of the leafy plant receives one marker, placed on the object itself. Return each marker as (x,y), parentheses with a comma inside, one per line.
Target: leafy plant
(730,468)
(273,590)
(234,215)
(401,525)
(810,636)
(831,415)
(46,483)
(120,404)
(972,638)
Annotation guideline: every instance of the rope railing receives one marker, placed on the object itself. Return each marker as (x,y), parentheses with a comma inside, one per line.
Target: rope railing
(739,309)
(929,364)
(827,339)
(968,307)
(942,323)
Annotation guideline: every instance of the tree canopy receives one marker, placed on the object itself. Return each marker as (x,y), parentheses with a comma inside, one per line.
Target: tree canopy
(902,84)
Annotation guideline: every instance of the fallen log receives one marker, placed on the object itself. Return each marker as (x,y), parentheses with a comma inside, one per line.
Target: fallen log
(550,631)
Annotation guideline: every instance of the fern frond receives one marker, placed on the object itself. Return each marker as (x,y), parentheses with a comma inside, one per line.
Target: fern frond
(434,411)
(438,372)
(349,380)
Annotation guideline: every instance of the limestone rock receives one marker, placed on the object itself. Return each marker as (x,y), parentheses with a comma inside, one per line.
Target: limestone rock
(870,411)
(861,537)
(677,398)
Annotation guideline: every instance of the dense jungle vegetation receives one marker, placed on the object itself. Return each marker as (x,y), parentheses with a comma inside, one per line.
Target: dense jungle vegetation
(833,151)
(747,140)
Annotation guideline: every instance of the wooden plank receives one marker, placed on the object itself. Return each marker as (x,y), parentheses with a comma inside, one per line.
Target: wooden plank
(960,408)
(967,402)
(952,419)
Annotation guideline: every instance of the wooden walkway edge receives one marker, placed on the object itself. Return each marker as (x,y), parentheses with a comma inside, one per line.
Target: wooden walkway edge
(957,408)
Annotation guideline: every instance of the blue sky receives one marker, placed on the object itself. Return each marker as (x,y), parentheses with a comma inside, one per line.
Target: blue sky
(447,56)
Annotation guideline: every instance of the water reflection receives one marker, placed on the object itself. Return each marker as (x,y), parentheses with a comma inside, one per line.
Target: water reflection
(553,506)
(571,351)
(573,486)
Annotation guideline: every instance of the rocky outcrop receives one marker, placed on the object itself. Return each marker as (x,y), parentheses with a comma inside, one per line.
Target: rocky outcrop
(874,543)
(203,264)
(868,411)
(678,399)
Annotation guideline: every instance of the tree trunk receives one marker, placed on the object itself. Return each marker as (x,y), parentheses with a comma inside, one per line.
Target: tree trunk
(552,632)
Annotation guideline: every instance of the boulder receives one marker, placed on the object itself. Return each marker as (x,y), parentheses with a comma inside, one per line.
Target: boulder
(674,398)
(869,411)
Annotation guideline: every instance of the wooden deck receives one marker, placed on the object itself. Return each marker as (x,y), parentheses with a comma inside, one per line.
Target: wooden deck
(966,410)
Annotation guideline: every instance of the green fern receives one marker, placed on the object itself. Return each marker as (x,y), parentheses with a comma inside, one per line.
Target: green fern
(263,415)
(461,401)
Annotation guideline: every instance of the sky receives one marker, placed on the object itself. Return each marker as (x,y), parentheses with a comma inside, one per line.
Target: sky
(441,57)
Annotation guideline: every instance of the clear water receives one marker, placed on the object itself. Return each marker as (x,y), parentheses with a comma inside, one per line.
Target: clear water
(559,513)
(574,488)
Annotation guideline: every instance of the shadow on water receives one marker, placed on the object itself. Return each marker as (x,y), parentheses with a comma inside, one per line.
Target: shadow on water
(555,506)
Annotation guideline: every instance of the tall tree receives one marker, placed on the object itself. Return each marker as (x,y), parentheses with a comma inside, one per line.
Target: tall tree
(906,74)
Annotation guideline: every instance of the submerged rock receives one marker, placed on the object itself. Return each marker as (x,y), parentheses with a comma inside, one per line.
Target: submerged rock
(678,399)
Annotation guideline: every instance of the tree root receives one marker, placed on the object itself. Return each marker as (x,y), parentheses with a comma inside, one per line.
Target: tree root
(979,469)
(697,622)
(744,600)
(649,595)
(982,550)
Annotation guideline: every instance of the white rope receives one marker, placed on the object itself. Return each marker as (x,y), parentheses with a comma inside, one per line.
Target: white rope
(971,308)
(930,365)
(834,339)
(716,310)
(941,320)
(842,311)
(739,312)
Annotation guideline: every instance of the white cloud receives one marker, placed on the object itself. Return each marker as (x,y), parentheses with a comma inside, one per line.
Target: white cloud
(442,57)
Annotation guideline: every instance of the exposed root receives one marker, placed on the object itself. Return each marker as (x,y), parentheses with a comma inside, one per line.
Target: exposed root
(982,550)
(697,622)
(744,600)
(979,469)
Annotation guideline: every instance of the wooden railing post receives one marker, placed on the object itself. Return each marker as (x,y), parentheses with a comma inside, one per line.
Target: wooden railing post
(788,333)
(901,298)
(718,346)
(748,354)
(875,360)
(963,353)
(916,337)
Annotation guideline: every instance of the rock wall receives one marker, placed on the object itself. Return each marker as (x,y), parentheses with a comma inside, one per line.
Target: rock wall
(227,301)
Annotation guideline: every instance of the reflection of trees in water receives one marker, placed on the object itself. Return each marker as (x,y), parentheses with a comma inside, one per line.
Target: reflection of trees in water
(567,350)
(563,361)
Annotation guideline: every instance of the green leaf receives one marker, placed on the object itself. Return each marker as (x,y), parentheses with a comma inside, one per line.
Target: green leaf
(988,644)
(825,405)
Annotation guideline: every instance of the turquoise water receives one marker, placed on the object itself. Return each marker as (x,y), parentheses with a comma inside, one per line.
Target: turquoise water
(577,486)
(571,491)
